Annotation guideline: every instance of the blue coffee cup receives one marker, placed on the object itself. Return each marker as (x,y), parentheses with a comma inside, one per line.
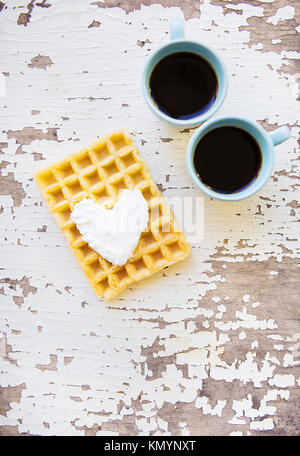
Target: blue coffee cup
(265,140)
(178,43)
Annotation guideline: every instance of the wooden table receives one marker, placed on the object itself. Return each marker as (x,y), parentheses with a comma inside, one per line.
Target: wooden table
(207,347)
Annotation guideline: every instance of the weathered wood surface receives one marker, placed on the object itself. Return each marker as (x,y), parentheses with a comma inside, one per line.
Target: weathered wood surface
(208,347)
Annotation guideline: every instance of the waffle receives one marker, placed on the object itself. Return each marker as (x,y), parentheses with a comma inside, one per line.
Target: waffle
(100,172)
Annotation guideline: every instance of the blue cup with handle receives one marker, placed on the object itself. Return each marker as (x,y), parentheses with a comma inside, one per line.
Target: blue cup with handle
(179,44)
(265,140)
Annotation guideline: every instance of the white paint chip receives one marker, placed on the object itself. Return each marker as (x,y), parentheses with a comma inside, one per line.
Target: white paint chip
(222,308)
(110,369)
(264,425)
(274,337)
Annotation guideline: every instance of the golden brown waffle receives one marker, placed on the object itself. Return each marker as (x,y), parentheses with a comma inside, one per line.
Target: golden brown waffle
(99,172)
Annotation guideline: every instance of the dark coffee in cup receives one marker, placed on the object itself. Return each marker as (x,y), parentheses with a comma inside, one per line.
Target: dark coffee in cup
(227,159)
(183,85)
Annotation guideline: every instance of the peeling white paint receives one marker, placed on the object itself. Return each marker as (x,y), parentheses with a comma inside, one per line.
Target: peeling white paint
(263,425)
(254,344)
(202,403)
(274,337)
(85,363)
(282,14)
(276,41)
(288,360)
(282,381)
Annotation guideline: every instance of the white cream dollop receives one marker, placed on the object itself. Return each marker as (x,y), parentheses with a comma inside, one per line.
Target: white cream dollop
(113,233)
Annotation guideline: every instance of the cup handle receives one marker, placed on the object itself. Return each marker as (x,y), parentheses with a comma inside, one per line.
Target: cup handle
(280,134)
(177,29)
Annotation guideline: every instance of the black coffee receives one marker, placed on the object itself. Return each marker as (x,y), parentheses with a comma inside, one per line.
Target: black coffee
(183,85)
(227,159)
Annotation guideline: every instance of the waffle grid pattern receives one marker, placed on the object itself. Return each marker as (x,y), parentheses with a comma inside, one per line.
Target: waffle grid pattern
(100,172)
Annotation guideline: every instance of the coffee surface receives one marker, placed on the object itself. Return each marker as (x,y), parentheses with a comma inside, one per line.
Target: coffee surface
(183,85)
(227,159)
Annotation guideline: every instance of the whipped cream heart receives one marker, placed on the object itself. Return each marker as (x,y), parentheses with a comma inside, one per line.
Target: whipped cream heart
(113,233)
